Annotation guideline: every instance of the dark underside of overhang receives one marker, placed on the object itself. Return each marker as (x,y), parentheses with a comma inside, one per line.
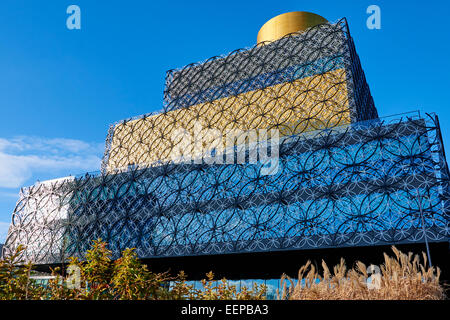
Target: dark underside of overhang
(271,265)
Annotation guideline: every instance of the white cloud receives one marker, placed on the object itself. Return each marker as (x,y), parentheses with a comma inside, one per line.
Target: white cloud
(13,195)
(36,144)
(4,226)
(23,158)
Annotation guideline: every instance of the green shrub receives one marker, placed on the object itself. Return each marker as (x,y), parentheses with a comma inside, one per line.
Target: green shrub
(101,278)
(15,282)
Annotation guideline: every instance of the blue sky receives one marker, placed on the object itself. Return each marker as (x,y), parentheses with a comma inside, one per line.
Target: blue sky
(60,89)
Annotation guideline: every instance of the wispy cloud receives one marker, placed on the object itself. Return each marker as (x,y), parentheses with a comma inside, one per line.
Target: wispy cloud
(3,231)
(23,158)
(53,145)
(8,194)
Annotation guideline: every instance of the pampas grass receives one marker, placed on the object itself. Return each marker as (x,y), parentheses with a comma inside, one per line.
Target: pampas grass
(402,277)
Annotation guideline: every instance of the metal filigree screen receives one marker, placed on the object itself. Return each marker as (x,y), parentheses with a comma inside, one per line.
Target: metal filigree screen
(306,81)
(343,176)
(362,184)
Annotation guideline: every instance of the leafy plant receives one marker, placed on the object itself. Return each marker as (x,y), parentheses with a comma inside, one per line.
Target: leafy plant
(15,283)
(223,290)
(133,281)
(403,276)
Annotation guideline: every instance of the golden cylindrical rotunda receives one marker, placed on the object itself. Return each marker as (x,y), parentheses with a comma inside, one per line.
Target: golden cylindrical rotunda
(286,23)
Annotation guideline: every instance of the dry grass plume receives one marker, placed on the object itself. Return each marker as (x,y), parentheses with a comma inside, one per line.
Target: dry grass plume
(402,277)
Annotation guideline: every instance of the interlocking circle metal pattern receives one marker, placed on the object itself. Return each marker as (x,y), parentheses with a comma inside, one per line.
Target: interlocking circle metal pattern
(344,176)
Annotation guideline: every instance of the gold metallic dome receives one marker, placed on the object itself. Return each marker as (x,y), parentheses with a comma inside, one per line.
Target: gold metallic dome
(283,24)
